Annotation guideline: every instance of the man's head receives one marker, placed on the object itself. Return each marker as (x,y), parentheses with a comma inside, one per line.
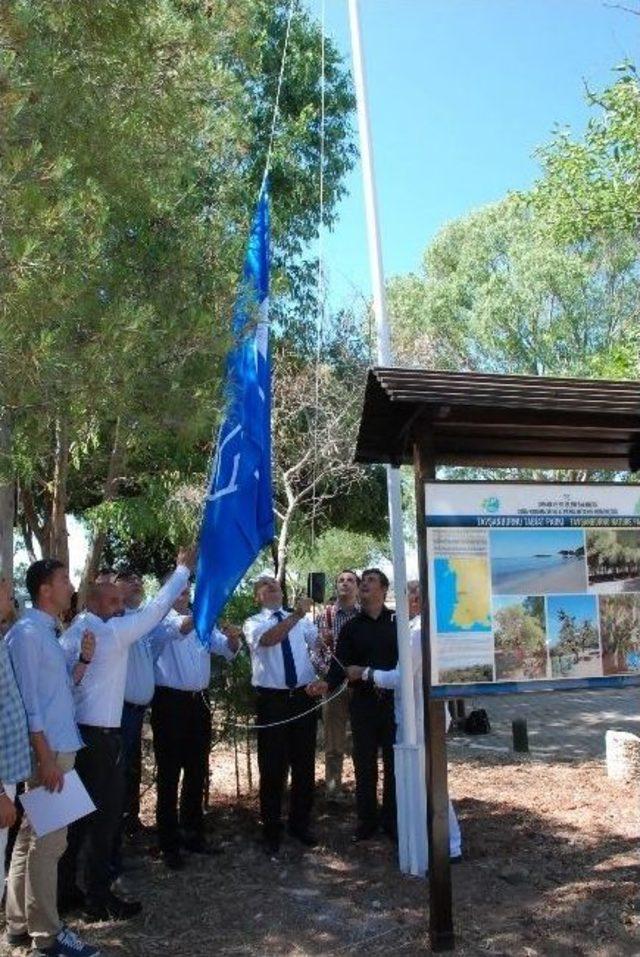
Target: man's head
(183,601)
(131,588)
(413,598)
(104,599)
(268,592)
(49,586)
(347,584)
(373,587)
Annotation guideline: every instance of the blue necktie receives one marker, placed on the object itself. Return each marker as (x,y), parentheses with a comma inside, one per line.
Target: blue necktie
(290,673)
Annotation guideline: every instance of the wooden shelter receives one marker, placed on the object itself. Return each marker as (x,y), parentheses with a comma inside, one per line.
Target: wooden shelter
(499,421)
(484,421)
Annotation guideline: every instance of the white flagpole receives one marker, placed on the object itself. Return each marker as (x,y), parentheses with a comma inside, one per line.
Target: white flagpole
(405,790)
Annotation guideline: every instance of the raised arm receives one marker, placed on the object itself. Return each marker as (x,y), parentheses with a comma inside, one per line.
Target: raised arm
(131,628)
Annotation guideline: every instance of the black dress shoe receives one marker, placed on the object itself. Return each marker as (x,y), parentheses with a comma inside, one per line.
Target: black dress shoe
(364,832)
(305,837)
(173,860)
(112,908)
(71,900)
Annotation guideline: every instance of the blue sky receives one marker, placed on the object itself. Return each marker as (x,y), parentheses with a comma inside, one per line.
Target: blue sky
(580,606)
(524,542)
(461,93)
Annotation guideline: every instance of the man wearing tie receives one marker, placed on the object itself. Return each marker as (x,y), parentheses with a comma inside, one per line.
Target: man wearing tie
(181,721)
(99,699)
(286,686)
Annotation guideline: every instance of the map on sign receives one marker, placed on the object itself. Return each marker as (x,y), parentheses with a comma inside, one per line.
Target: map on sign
(531,584)
(462,586)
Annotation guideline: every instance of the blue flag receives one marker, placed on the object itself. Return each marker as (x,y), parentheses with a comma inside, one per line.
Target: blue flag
(238,512)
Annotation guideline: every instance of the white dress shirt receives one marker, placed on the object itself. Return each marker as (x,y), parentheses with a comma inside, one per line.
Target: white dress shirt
(44,683)
(182,661)
(391,680)
(267,663)
(100,695)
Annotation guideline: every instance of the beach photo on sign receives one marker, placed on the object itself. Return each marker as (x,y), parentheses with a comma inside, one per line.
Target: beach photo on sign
(573,636)
(537,561)
(620,633)
(613,560)
(464,659)
(519,631)
(463,594)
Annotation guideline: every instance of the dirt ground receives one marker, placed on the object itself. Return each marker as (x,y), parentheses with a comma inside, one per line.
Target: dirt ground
(550,868)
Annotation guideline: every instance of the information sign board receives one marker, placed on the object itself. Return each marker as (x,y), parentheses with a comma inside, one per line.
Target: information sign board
(532,587)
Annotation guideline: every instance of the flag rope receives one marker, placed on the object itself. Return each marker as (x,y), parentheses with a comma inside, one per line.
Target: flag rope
(276,105)
(321,315)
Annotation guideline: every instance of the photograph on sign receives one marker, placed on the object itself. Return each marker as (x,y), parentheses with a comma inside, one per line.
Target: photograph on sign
(532,584)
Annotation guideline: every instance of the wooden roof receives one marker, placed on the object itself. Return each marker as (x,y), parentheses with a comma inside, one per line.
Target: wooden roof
(499,421)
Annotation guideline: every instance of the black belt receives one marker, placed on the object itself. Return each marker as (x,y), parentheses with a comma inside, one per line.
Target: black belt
(283,692)
(179,693)
(99,729)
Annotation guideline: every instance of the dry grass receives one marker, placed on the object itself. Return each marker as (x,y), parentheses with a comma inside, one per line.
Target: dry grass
(551,868)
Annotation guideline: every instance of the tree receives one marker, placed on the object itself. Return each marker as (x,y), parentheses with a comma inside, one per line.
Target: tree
(591,186)
(498,293)
(134,140)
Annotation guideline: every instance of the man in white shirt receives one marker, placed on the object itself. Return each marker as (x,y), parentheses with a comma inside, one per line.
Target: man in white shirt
(98,701)
(181,721)
(390,680)
(286,687)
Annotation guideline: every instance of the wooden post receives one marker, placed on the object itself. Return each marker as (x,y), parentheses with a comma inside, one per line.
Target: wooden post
(520,735)
(441,933)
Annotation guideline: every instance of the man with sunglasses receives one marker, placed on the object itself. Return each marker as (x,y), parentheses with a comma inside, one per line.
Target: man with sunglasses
(335,712)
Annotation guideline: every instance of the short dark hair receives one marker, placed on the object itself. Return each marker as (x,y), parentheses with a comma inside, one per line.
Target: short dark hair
(348,571)
(382,578)
(40,573)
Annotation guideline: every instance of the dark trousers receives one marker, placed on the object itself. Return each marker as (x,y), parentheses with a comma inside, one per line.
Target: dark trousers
(101,768)
(283,747)
(131,727)
(181,722)
(373,728)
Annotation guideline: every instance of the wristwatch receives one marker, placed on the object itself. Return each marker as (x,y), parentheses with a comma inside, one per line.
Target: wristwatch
(367,675)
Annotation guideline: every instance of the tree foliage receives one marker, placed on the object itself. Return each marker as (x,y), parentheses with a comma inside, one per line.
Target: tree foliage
(546,282)
(134,138)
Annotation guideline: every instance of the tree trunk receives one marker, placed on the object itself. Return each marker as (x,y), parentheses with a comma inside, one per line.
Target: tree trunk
(94,554)
(7,501)
(58,544)
(282,551)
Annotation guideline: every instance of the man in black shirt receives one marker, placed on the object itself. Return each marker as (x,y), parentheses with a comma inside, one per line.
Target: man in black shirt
(369,641)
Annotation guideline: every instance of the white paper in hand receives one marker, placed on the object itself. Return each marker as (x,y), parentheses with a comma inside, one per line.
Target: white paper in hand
(49,812)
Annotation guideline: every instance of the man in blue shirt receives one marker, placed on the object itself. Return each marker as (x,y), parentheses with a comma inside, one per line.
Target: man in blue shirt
(45,687)
(138,693)
(15,757)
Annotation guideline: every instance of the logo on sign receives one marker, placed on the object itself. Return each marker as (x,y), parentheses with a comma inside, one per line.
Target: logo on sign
(491,504)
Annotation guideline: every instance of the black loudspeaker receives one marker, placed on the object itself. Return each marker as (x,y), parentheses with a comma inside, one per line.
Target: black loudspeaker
(316,586)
